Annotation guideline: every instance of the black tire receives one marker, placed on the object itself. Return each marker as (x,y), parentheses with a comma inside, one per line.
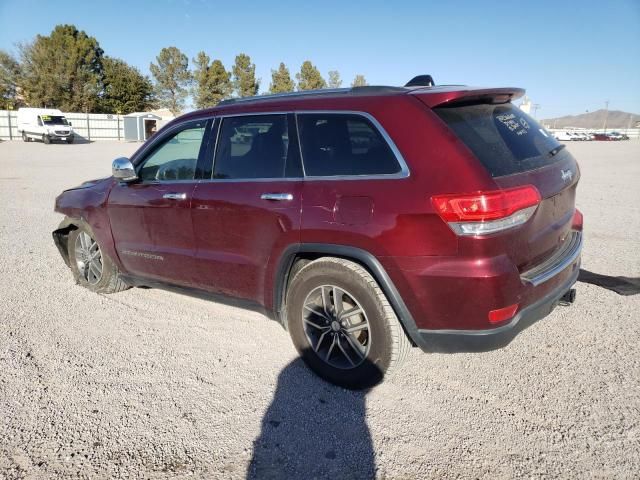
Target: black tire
(24,137)
(70,140)
(386,346)
(109,281)
(46,139)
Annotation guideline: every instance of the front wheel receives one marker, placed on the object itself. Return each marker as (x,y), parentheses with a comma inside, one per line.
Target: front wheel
(91,267)
(342,324)
(46,139)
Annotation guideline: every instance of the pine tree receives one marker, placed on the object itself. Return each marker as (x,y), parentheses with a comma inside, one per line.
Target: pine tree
(62,70)
(212,83)
(125,89)
(9,71)
(334,79)
(219,82)
(309,77)
(359,81)
(244,76)
(172,78)
(281,81)
(201,97)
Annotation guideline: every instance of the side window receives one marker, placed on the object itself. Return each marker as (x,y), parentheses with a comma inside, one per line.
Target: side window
(343,144)
(252,146)
(176,158)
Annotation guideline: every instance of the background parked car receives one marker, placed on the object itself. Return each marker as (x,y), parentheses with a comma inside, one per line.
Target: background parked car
(602,136)
(577,136)
(563,136)
(617,136)
(584,136)
(44,124)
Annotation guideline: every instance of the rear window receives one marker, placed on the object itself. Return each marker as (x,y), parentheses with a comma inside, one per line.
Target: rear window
(343,144)
(504,138)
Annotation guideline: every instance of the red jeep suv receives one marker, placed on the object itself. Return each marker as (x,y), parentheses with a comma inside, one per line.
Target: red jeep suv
(365,220)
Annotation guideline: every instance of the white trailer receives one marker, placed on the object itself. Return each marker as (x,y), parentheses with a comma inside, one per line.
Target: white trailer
(45,124)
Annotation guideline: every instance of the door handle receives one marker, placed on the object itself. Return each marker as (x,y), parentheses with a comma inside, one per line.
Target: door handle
(175,196)
(277,197)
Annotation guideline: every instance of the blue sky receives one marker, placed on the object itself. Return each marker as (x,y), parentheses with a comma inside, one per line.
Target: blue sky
(570,56)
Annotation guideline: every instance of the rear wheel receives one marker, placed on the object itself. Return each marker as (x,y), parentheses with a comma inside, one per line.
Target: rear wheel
(91,267)
(342,324)
(25,138)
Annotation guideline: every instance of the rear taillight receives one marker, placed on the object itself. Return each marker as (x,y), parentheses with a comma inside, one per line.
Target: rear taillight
(483,213)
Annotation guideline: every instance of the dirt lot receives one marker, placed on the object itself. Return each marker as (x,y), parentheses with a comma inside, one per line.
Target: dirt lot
(148,383)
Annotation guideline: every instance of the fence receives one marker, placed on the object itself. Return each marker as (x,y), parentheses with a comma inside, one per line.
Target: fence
(104,126)
(632,133)
(89,126)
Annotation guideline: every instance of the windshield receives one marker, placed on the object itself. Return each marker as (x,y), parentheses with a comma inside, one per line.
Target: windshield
(504,138)
(54,120)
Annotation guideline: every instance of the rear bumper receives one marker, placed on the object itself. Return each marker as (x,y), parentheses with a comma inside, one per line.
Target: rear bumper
(451,341)
(451,298)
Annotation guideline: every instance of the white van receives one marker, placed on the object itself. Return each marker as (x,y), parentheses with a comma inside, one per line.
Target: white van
(46,124)
(563,135)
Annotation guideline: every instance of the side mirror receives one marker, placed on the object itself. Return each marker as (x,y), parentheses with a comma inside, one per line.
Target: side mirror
(122,169)
(70,124)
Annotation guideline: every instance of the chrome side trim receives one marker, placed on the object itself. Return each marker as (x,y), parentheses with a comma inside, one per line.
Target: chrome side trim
(555,264)
(249,180)
(404,169)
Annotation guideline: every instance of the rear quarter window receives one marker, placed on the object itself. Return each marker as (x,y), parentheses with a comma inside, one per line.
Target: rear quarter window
(336,144)
(504,138)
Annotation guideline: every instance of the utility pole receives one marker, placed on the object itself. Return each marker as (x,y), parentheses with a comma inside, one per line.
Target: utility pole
(606,115)
(535,107)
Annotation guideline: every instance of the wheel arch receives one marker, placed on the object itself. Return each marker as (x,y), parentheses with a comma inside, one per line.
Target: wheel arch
(306,252)
(61,236)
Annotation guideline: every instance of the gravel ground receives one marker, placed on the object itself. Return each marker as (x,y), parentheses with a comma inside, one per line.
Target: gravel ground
(152,384)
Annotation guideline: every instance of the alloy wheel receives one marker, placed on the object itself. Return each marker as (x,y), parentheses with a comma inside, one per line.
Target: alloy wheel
(88,258)
(336,327)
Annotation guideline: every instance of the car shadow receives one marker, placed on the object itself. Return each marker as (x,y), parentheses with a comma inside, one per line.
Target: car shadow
(620,285)
(80,140)
(313,429)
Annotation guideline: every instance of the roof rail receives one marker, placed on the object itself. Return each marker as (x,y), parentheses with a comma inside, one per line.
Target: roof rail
(320,92)
(275,96)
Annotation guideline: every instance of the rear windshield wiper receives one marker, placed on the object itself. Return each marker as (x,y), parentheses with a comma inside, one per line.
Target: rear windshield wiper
(556,150)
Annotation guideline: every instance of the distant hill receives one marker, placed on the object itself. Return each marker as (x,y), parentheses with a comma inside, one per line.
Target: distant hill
(615,120)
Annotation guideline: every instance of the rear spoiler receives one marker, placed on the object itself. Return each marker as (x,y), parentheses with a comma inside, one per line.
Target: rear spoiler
(456,95)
